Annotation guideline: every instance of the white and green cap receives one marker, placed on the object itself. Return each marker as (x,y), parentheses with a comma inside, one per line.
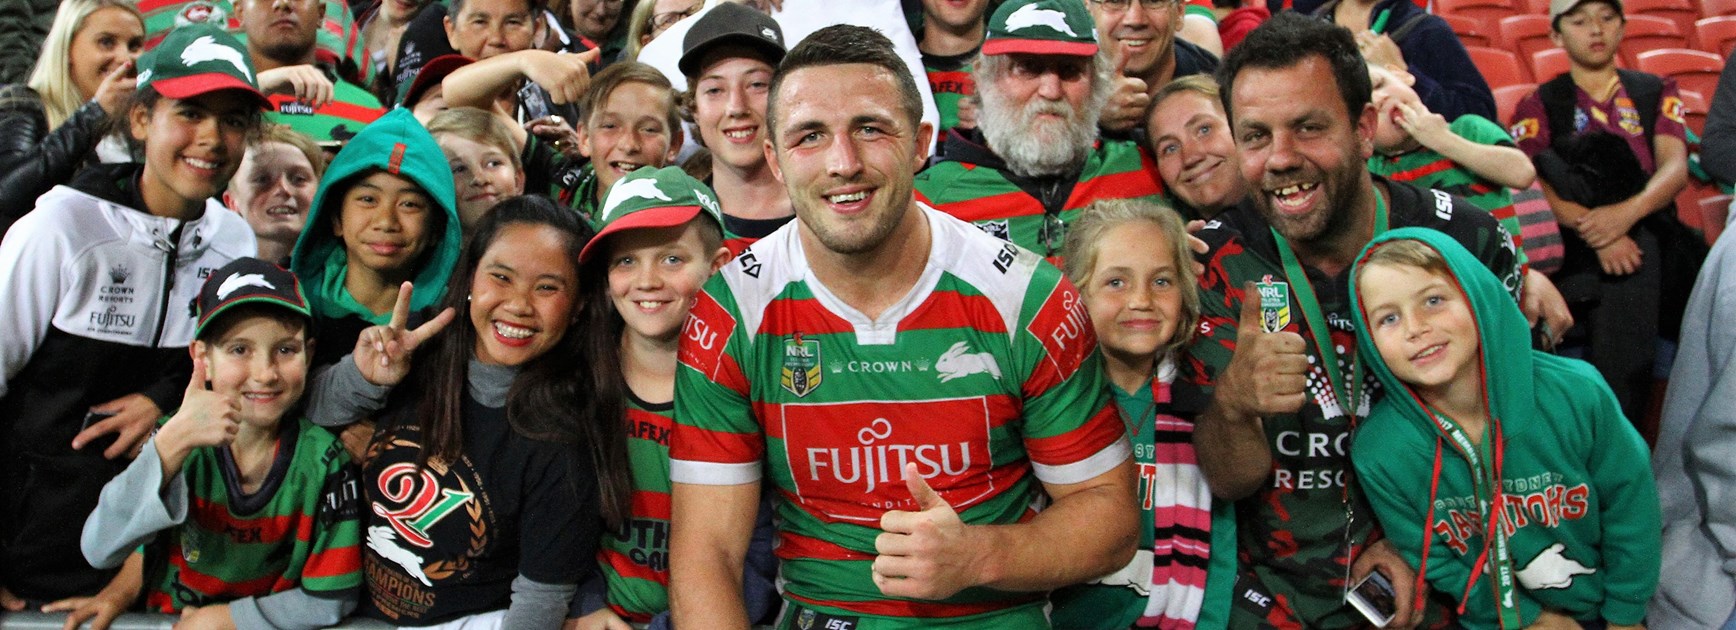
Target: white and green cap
(1041,27)
(653,198)
(197,59)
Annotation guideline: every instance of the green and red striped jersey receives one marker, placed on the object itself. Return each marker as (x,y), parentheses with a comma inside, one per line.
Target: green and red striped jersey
(299,529)
(1427,168)
(950,78)
(974,184)
(635,560)
(351,109)
(986,376)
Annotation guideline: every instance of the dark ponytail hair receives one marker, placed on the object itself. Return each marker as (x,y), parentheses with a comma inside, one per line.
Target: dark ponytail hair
(573,394)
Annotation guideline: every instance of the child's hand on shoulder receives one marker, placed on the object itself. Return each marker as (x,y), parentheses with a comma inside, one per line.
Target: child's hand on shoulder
(383,353)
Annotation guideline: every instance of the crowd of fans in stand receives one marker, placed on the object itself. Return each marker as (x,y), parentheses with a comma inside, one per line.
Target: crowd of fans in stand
(853,315)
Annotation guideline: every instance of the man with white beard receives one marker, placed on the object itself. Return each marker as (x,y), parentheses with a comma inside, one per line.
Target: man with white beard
(1035,158)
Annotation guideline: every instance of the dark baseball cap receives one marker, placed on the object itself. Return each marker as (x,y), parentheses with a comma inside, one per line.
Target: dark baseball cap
(249,281)
(731,23)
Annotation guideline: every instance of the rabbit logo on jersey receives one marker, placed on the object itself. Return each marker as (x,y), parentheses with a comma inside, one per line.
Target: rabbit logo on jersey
(848,459)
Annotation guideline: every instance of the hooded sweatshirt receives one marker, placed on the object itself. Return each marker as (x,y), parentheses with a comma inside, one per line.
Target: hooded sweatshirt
(98,296)
(396,144)
(1580,506)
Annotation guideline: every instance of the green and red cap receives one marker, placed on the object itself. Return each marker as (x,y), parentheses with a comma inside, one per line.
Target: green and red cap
(249,281)
(199,59)
(1042,27)
(653,198)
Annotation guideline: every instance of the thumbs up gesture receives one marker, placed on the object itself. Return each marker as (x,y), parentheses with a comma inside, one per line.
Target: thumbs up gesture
(1268,374)
(206,418)
(927,554)
(1126,105)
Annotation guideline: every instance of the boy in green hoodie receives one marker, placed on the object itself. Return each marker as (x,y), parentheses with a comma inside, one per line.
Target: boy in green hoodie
(385,213)
(1489,422)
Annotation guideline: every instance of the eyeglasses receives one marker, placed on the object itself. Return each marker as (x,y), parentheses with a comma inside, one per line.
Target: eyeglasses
(1067,68)
(1117,6)
(662,21)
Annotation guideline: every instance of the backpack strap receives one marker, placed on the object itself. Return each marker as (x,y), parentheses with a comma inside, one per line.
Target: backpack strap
(1645,90)
(1558,102)
(1404,28)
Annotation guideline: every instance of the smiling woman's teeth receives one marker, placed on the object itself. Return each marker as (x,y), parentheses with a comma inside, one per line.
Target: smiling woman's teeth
(741,134)
(847,198)
(650,304)
(512,332)
(197,163)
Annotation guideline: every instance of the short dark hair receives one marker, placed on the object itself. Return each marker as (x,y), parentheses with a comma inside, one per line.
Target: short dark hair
(1288,38)
(845,44)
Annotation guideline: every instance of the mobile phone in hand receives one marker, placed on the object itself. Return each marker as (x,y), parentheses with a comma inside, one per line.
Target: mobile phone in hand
(101,443)
(1375,598)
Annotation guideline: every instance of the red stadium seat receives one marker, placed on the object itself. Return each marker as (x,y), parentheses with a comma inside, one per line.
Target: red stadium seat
(1717,35)
(1682,12)
(1537,7)
(1525,34)
(1649,32)
(1499,67)
(1694,108)
(1507,99)
(1717,8)
(1486,12)
(1692,69)
(1546,64)
(1470,30)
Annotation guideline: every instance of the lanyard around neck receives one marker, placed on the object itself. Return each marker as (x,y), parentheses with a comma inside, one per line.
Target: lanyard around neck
(1346,391)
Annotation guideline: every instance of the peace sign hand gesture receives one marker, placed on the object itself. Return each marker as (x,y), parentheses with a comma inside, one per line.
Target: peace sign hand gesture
(382,353)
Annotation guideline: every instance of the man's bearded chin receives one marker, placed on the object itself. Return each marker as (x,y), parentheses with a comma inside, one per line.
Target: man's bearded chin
(1033,149)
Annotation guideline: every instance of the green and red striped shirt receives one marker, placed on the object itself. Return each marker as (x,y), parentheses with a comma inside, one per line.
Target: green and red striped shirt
(1428,169)
(635,560)
(986,376)
(298,530)
(975,185)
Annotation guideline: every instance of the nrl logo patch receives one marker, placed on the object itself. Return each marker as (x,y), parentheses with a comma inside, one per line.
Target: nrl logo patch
(801,373)
(1274,304)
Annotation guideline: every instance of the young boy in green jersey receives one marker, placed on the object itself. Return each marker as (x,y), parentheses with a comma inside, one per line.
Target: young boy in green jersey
(1471,156)
(660,239)
(1478,434)
(246,513)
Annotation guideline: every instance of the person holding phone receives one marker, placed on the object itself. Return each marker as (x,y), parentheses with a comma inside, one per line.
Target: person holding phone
(51,125)
(100,278)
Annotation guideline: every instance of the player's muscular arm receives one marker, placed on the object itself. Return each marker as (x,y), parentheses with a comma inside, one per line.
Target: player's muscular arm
(1266,375)
(931,554)
(710,530)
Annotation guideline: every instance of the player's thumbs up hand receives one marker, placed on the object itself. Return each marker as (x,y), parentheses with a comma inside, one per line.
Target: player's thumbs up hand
(1268,374)
(927,554)
(1127,102)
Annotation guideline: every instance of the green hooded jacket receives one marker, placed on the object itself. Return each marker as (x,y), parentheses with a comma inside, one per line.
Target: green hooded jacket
(1575,476)
(395,143)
